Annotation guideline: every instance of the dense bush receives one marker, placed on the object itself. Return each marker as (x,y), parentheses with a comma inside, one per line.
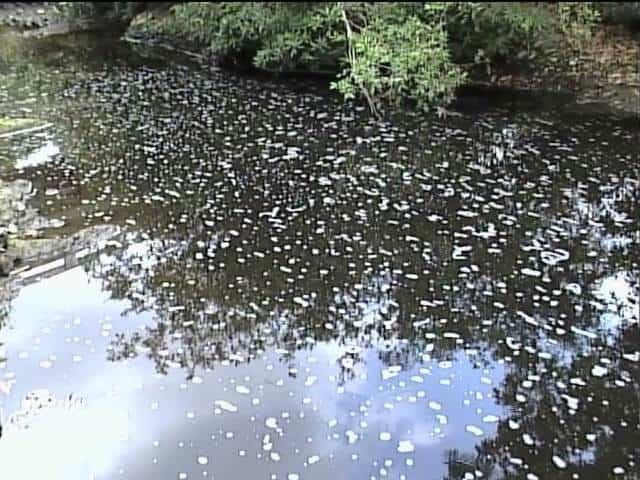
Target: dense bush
(384,52)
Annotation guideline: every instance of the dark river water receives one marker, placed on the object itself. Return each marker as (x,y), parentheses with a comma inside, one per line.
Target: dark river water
(292,290)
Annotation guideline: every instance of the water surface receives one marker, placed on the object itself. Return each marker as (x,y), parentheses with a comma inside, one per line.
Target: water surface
(293,290)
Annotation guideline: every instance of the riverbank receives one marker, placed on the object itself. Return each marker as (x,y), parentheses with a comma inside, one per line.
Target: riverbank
(602,73)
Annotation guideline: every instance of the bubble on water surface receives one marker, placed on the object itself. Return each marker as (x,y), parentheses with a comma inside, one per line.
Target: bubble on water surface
(478,432)
(559,462)
(226,406)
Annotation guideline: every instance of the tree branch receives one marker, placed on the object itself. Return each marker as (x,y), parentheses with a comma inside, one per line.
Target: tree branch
(352,59)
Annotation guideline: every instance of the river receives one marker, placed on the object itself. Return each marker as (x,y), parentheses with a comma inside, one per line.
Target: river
(292,290)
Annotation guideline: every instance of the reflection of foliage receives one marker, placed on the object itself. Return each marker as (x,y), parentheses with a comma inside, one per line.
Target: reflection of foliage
(590,422)
(206,314)
(227,278)
(227,325)
(178,279)
(30,67)
(460,465)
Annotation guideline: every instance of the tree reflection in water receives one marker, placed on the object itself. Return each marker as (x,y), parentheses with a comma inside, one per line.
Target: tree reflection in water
(265,220)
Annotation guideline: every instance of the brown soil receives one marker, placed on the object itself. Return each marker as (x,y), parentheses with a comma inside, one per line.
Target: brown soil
(604,70)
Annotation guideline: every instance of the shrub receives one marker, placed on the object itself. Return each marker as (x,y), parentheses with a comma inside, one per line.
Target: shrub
(394,55)
(384,52)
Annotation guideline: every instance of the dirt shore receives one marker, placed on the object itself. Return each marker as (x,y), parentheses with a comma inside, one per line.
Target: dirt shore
(603,73)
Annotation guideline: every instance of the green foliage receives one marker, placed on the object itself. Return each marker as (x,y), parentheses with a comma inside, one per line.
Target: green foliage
(273,35)
(384,52)
(577,20)
(391,59)
(390,54)
(308,39)
(492,30)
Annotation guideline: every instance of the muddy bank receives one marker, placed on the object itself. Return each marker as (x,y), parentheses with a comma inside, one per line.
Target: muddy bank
(602,73)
